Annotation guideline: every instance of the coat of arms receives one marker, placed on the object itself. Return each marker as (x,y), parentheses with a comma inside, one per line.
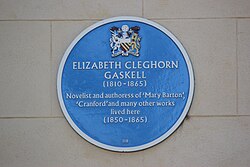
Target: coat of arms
(125,41)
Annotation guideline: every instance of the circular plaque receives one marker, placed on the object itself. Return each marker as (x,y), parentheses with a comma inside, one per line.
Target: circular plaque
(125,84)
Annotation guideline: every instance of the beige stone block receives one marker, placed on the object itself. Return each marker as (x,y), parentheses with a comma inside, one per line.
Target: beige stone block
(200,141)
(66,10)
(205,141)
(25,69)
(196,8)
(63,33)
(244,66)
(211,45)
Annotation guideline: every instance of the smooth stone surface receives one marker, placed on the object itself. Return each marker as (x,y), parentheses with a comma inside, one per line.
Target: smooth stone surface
(211,46)
(25,69)
(67,10)
(196,8)
(198,142)
(244,67)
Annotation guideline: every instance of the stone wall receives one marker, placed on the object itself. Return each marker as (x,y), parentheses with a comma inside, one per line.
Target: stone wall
(33,37)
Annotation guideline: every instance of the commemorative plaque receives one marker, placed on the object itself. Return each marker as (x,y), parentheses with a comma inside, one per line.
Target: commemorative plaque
(125,84)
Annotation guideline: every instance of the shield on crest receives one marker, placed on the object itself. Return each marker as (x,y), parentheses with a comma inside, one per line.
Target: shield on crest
(125,41)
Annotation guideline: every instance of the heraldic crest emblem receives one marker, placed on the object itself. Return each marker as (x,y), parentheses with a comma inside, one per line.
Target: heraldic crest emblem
(125,41)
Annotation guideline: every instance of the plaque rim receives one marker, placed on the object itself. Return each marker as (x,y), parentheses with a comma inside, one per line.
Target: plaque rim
(175,125)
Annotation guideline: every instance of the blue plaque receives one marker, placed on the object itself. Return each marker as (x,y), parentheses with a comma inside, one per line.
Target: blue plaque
(125,84)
